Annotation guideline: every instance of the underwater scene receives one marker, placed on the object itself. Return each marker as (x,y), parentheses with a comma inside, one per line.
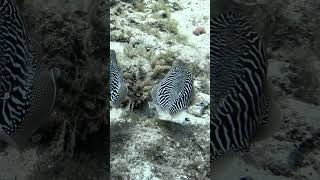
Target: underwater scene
(159,89)
(264,67)
(53,100)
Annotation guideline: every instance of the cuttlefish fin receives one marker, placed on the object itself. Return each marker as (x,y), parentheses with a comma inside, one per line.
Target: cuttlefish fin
(43,98)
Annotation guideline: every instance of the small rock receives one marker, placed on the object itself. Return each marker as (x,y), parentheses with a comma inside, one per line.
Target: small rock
(199,30)
(198,109)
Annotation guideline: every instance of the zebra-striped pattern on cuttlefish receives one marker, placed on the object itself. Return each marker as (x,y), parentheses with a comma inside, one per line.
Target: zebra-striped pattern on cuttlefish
(118,88)
(17,68)
(114,77)
(174,91)
(238,77)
